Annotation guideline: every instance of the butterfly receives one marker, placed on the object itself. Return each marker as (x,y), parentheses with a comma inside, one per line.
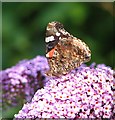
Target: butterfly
(64,52)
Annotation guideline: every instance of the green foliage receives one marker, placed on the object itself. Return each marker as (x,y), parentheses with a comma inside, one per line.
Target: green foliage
(8,113)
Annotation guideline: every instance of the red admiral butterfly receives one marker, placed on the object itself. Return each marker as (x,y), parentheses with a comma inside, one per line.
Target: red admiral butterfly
(63,51)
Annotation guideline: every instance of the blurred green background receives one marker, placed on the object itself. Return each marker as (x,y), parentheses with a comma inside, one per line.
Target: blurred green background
(24,24)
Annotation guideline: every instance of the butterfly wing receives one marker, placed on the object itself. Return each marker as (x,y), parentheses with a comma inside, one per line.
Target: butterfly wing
(63,51)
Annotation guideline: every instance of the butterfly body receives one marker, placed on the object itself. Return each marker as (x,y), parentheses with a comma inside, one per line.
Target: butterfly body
(63,51)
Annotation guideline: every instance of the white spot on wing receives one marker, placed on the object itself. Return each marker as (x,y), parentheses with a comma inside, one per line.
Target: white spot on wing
(48,39)
(59,38)
(57,34)
(47,55)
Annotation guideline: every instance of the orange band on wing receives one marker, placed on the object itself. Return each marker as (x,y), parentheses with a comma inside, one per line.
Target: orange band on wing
(51,53)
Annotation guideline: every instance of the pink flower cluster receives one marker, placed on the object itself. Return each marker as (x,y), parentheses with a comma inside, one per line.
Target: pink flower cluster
(86,92)
(20,82)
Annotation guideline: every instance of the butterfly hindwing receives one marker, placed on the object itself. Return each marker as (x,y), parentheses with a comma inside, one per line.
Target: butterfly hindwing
(63,51)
